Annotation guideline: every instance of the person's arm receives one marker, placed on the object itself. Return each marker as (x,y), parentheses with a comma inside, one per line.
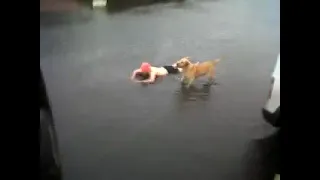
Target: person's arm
(151,79)
(134,73)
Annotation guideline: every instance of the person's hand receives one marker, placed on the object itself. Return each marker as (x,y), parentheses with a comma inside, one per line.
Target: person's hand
(141,81)
(137,81)
(133,79)
(134,73)
(145,81)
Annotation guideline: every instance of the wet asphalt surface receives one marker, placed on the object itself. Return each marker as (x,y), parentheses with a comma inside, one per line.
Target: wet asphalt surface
(111,128)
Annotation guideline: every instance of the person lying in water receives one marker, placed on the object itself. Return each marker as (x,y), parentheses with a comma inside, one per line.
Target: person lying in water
(149,73)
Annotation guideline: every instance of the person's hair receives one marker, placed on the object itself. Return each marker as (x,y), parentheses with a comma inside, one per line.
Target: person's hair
(142,75)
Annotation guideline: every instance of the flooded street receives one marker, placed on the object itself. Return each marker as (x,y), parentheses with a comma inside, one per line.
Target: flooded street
(111,128)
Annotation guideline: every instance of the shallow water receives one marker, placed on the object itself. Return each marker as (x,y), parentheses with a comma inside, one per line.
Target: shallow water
(111,128)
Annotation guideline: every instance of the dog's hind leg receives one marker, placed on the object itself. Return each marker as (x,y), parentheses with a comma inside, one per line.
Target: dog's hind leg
(211,76)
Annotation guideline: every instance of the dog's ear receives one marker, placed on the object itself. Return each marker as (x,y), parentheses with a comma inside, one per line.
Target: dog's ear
(187,57)
(187,63)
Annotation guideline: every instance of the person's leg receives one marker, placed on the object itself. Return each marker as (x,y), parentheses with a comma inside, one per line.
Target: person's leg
(172,70)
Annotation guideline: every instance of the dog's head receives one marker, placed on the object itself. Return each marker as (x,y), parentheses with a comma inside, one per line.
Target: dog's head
(183,62)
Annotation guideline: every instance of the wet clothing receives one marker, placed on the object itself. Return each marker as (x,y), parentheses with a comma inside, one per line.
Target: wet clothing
(171,69)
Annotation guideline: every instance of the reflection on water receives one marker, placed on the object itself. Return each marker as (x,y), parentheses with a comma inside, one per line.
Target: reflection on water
(262,158)
(119,5)
(194,92)
(61,12)
(110,5)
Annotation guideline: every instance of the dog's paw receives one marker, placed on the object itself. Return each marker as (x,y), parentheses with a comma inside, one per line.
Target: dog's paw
(208,84)
(212,83)
(184,81)
(187,87)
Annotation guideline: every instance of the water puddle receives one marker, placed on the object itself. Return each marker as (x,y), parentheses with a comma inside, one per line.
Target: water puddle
(196,92)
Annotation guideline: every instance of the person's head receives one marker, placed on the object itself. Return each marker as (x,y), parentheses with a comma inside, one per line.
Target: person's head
(145,70)
(145,67)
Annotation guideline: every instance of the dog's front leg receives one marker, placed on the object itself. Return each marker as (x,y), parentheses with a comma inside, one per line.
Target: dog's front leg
(190,81)
(182,79)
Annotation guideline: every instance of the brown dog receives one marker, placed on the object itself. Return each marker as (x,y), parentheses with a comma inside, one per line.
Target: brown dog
(191,71)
